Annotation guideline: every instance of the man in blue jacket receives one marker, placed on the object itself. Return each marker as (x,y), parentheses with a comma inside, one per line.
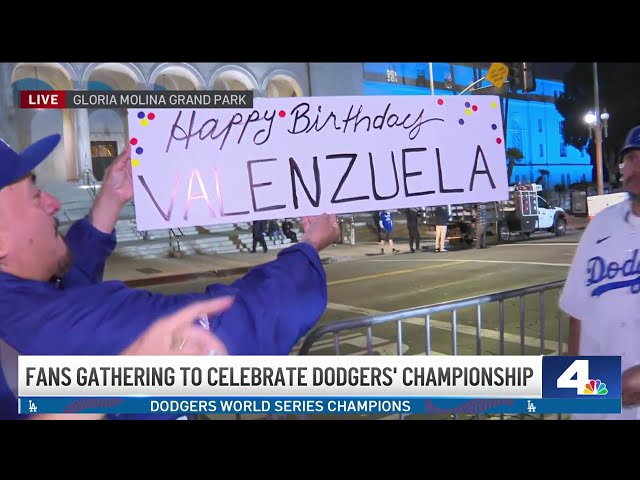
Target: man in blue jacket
(54,302)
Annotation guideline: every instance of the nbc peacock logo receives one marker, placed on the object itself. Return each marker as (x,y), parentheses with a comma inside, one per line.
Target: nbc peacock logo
(595,387)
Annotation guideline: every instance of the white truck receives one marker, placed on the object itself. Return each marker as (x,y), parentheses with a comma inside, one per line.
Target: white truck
(526,212)
(523,213)
(597,203)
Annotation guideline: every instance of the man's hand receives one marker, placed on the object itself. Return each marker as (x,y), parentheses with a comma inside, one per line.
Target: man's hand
(320,231)
(631,387)
(175,334)
(118,179)
(178,334)
(116,191)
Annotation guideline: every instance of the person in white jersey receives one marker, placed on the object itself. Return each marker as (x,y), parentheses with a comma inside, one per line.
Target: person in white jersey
(602,291)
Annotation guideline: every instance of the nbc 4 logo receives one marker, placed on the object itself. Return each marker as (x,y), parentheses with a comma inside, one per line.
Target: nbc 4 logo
(577,376)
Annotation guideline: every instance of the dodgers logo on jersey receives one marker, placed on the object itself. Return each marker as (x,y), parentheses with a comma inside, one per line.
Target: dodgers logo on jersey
(605,276)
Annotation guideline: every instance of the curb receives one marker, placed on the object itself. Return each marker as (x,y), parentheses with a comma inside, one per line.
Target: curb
(227,272)
(183,277)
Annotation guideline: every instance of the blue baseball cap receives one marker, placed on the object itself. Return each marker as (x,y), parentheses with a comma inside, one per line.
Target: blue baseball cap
(14,165)
(632,142)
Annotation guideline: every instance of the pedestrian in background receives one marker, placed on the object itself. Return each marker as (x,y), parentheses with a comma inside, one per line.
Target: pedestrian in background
(412,225)
(442,222)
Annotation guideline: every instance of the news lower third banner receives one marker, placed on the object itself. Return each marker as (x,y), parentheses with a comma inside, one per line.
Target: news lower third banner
(41,99)
(325,385)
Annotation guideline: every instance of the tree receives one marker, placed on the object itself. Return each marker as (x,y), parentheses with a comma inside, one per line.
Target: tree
(514,155)
(618,88)
(542,179)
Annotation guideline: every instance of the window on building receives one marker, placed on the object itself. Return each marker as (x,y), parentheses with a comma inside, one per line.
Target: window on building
(563,148)
(539,125)
(516,132)
(541,148)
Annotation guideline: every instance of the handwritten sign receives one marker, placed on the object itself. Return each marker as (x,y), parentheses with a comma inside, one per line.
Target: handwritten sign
(497,74)
(291,157)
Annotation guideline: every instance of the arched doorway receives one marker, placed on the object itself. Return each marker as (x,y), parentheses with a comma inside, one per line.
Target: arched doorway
(282,85)
(108,127)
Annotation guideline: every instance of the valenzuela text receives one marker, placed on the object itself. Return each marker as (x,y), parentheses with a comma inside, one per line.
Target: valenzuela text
(406,167)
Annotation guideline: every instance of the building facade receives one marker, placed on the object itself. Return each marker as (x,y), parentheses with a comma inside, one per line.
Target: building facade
(533,124)
(93,137)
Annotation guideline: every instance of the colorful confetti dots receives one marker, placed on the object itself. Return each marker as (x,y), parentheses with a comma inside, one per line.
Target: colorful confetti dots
(151,116)
(467,104)
(474,108)
(498,140)
(461,121)
(133,141)
(468,111)
(494,104)
(140,114)
(139,150)
(135,162)
(440,101)
(144,122)
(494,126)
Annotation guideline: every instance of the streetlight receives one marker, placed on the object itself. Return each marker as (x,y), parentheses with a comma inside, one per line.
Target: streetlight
(595,122)
(596,125)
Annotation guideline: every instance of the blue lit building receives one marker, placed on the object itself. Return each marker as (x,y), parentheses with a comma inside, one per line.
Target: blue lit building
(533,124)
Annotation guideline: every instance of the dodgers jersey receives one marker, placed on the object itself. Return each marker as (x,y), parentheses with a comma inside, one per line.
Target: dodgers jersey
(603,291)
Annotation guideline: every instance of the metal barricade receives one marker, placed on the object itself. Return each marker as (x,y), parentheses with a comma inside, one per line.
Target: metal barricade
(515,332)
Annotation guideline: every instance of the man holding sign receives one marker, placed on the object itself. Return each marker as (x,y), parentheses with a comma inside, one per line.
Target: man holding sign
(79,314)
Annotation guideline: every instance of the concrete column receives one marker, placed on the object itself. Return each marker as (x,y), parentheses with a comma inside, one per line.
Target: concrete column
(83,140)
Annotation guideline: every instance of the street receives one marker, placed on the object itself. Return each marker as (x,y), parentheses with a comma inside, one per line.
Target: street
(377,283)
(382,283)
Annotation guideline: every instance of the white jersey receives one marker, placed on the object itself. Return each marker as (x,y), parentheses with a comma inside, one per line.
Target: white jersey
(603,291)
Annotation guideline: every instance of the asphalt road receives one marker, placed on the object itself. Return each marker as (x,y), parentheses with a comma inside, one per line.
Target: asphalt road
(382,283)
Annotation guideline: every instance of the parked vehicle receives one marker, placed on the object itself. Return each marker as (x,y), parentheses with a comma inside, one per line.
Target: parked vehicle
(524,213)
(597,203)
(527,212)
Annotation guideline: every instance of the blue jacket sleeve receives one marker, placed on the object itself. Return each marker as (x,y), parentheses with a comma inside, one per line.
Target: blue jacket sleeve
(276,304)
(90,249)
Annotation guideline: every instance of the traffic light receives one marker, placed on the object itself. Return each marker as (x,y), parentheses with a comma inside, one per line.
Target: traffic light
(528,78)
(515,76)
(521,77)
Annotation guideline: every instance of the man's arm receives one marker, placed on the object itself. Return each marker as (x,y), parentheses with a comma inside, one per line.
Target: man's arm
(575,300)
(93,239)
(158,340)
(574,337)
(275,305)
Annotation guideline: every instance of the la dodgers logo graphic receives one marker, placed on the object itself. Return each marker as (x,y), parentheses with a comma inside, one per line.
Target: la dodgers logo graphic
(613,275)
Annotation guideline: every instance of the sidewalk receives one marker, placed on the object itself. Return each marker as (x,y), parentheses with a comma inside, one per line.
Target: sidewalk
(153,271)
